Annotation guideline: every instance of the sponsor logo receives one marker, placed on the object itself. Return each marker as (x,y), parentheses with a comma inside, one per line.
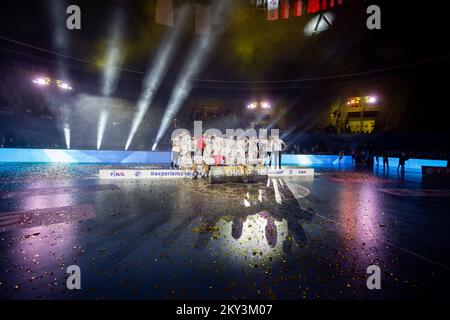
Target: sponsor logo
(117,174)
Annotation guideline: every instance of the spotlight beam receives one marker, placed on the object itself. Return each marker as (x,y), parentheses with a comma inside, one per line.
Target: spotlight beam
(192,67)
(66,130)
(101,127)
(114,60)
(156,73)
(114,55)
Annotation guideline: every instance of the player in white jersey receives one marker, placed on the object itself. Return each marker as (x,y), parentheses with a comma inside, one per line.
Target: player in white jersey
(185,154)
(262,148)
(196,151)
(230,151)
(208,151)
(217,146)
(278,147)
(270,150)
(252,151)
(241,149)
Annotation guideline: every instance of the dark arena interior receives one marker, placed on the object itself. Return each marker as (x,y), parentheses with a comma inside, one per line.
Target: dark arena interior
(224,150)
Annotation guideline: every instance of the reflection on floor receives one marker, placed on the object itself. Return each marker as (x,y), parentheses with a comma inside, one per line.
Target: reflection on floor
(291,238)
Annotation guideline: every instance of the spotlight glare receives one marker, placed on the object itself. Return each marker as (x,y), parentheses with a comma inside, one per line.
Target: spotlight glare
(251,105)
(266,105)
(195,60)
(63,85)
(66,130)
(42,82)
(114,55)
(101,127)
(154,76)
(371,99)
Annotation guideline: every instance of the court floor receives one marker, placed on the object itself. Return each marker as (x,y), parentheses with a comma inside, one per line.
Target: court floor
(290,238)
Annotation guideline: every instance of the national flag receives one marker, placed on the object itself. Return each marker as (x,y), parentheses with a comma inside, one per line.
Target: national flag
(298,8)
(164,12)
(272,10)
(285,9)
(313,6)
(203,19)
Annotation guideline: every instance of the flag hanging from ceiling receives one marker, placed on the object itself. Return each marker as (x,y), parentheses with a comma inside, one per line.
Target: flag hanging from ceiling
(298,8)
(313,6)
(260,3)
(164,12)
(203,15)
(324,4)
(285,9)
(335,2)
(272,12)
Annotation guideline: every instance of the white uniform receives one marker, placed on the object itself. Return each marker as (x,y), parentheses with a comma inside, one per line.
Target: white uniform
(241,148)
(208,152)
(252,151)
(277,144)
(198,158)
(230,152)
(185,154)
(218,146)
(175,152)
(262,155)
(270,151)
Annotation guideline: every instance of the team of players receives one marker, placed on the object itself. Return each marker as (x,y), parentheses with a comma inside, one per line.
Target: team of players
(210,150)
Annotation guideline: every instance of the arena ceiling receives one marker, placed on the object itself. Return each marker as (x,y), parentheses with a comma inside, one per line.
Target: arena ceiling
(251,48)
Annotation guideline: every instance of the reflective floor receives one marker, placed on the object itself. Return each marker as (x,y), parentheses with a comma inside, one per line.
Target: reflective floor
(292,238)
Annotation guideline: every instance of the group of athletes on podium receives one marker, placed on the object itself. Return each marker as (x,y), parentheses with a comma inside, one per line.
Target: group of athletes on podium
(215,150)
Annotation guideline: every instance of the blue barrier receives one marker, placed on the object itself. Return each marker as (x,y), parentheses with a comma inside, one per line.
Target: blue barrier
(140,157)
(305,160)
(82,156)
(147,157)
(414,164)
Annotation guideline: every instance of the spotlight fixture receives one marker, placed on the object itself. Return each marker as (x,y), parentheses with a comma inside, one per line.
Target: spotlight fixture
(252,105)
(46,82)
(43,82)
(63,85)
(371,99)
(266,105)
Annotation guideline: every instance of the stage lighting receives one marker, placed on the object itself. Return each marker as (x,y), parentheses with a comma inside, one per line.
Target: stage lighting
(101,127)
(319,23)
(265,105)
(67,135)
(114,60)
(63,85)
(371,99)
(195,60)
(155,75)
(252,105)
(43,82)
(114,54)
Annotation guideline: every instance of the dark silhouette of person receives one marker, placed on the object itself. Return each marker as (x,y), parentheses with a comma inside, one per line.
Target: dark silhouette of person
(385,160)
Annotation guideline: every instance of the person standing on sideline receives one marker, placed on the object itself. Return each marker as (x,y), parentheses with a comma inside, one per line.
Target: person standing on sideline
(385,160)
(401,162)
(341,156)
(278,147)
